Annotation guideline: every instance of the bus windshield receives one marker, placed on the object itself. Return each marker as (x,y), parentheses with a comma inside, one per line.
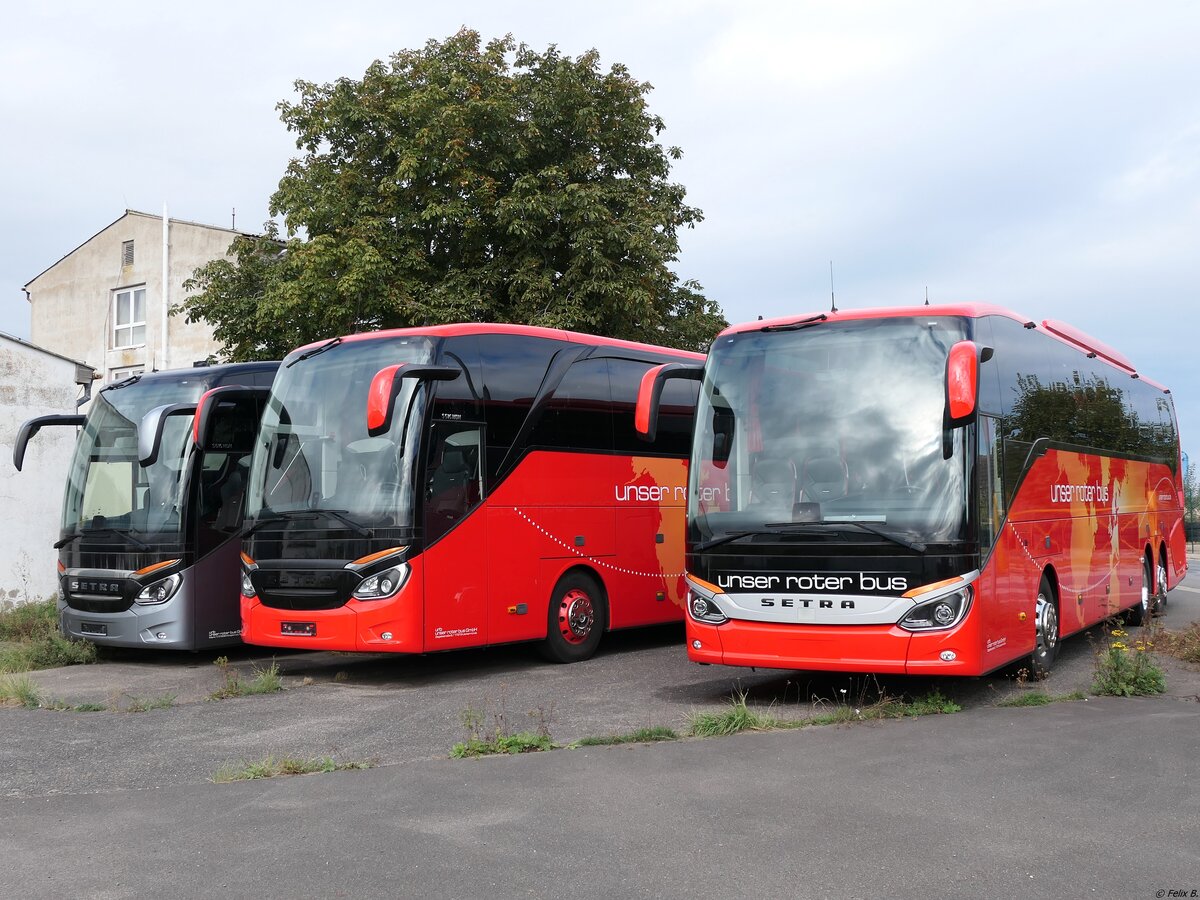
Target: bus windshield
(833,426)
(107,488)
(313,452)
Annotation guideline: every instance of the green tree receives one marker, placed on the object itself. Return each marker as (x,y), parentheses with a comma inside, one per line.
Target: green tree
(463,182)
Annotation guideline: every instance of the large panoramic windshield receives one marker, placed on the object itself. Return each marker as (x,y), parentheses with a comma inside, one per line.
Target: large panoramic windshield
(107,487)
(313,450)
(830,424)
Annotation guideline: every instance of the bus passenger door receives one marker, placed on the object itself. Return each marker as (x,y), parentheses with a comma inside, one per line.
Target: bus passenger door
(456,539)
(215,504)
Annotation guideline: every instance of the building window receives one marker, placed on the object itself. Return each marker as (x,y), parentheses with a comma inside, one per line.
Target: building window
(115,375)
(127,253)
(129,318)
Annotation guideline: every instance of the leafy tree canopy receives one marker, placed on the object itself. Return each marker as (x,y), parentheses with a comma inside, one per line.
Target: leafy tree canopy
(463,182)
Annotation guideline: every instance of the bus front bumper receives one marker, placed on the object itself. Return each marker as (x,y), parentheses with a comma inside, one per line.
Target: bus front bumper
(139,626)
(882,649)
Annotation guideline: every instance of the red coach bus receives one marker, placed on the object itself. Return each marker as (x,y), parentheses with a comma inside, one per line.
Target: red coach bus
(930,490)
(454,486)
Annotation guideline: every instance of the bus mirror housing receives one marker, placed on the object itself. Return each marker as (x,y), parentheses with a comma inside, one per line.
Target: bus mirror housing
(150,430)
(722,426)
(645,416)
(210,428)
(386,386)
(33,426)
(962,383)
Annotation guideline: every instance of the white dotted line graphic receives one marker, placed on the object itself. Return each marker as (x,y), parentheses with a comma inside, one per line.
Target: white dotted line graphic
(592,559)
(1064,588)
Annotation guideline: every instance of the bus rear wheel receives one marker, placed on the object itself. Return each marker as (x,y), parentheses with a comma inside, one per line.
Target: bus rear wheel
(1140,614)
(1046,635)
(577,616)
(1160,586)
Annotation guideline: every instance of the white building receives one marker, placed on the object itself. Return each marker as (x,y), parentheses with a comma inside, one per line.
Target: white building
(106,302)
(34,382)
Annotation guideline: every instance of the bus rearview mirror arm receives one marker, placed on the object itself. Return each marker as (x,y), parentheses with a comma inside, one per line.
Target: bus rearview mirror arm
(645,418)
(150,430)
(32,427)
(386,386)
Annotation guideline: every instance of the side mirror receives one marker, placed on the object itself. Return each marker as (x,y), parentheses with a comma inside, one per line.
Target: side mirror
(645,416)
(386,385)
(150,430)
(213,427)
(723,424)
(32,427)
(962,383)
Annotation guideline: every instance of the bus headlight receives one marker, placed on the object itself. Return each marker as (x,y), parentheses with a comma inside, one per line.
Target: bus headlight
(247,584)
(941,612)
(703,609)
(385,584)
(160,591)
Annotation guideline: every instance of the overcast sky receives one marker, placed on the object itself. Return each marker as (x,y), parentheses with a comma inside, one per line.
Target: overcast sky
(1040,155)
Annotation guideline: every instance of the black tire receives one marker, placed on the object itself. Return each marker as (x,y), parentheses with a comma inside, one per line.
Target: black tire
(1141,613)
(1047,635)
(1160,585)
(576,619)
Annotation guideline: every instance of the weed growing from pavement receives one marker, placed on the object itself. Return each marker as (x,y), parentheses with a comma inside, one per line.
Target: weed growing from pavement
(1039,698)
(265,681)
(1183,645)
(19,691)
(273,768)
(500,738)
(30,639)
(738,716)
(1124,667)
(647,735)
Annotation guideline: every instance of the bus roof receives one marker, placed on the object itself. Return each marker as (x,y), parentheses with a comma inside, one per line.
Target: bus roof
(199,373)
(557,334)
(968,310)
(1060,331)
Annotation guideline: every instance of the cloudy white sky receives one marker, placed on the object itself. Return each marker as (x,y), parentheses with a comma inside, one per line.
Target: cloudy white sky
(1040,155)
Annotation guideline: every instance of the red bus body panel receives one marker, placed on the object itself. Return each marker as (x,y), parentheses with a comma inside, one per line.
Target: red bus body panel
(489,580)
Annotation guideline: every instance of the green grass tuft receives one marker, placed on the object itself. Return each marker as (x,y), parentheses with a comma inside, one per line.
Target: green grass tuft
(641,736)
(273,768)
(21,691)
(737,718)
(521,742)
(30,640)
(264,681)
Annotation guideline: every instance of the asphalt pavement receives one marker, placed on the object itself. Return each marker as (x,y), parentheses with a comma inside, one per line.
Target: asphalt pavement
(1081,798)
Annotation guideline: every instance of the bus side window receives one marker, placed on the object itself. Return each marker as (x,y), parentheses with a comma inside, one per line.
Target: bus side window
(989,484)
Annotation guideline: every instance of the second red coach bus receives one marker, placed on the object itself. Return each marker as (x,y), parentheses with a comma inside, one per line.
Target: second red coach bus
(929,490)
(454,486)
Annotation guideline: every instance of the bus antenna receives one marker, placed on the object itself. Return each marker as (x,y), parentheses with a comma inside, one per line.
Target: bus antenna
(926,295)
(832,300)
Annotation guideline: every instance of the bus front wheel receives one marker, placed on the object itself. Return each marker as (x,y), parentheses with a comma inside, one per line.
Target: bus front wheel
(577,616)
(1046,635)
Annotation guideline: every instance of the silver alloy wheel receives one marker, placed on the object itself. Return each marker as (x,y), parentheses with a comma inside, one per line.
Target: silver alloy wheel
(1046,630)
(1160,599)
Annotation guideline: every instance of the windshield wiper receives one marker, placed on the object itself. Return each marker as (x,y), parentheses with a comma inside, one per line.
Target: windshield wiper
(916,546)
(58,545)
(309,354)
(724,539)
(796,326)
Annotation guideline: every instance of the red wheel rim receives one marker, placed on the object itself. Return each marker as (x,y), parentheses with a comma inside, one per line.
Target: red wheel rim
(575,616)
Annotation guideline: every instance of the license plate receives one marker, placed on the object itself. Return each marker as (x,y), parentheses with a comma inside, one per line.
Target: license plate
(307,629)
(93,628)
